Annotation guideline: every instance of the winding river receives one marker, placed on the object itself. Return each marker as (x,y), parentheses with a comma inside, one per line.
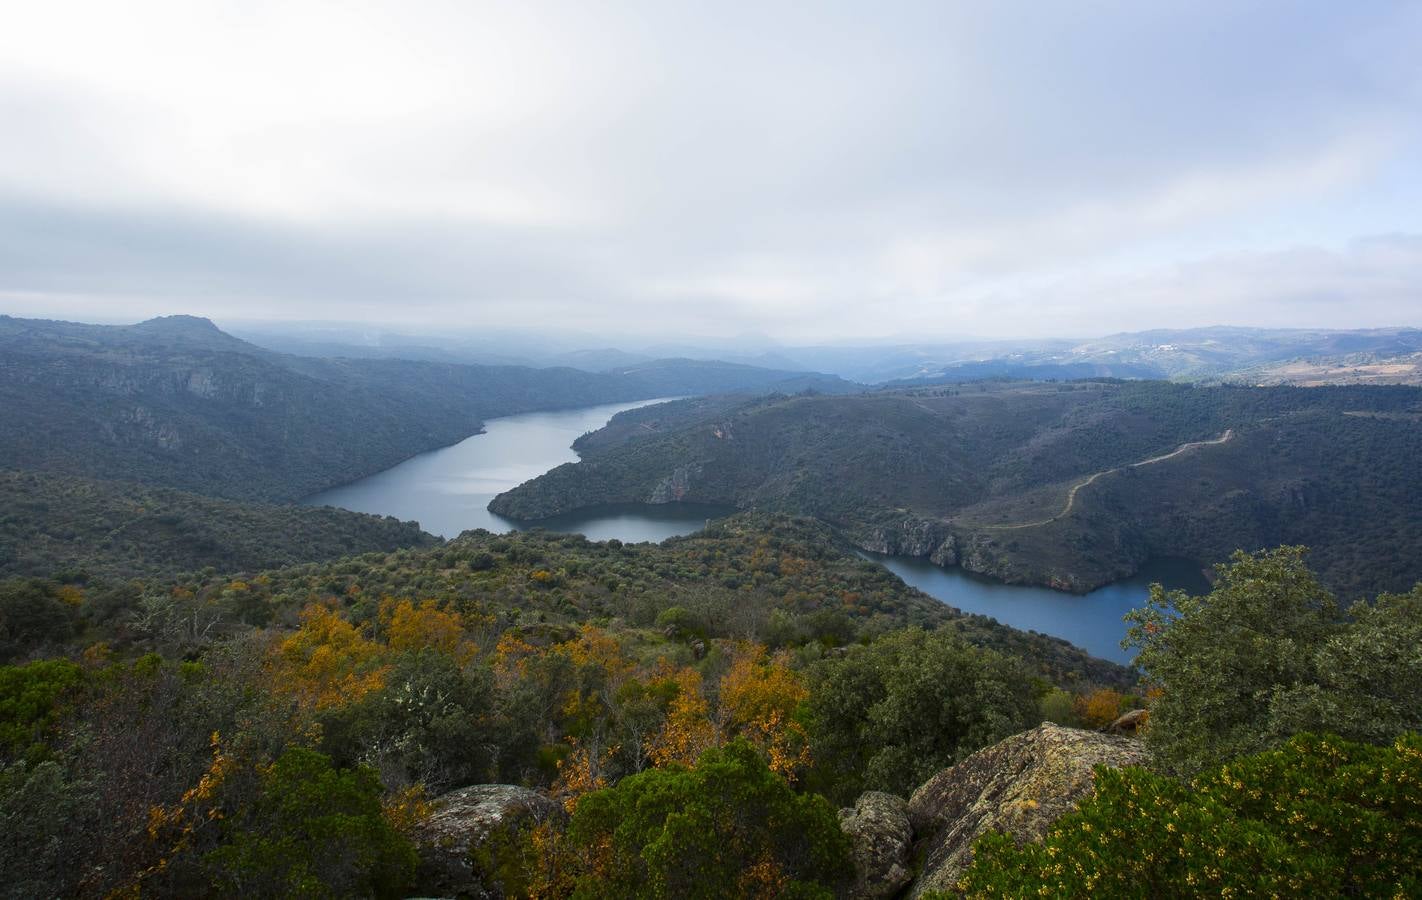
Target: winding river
(448,491)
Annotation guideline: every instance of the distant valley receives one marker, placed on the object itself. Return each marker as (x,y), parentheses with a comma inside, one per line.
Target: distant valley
(179,403)
(1040,483)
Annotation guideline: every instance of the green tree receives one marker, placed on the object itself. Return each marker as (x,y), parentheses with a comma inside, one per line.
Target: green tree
(889,715)
(311,831)
(33,615)
(727,826)
(431,722)
(1318,817)
(32,698)
(1267,654)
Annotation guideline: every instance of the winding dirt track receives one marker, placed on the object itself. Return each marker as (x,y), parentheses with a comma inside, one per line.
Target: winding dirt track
(1071,494)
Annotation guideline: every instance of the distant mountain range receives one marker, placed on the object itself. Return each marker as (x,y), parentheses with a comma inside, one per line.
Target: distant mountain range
(177,402)
(1217,354)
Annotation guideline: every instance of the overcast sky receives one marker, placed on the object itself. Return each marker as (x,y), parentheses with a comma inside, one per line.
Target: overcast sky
(809,171)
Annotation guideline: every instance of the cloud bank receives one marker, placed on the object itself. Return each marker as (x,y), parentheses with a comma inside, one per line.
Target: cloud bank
(806,171)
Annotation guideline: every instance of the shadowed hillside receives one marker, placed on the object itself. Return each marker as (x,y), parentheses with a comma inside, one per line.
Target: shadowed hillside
(1070,485)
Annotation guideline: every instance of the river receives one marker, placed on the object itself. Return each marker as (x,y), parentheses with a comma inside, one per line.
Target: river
(1091,621)
(448,491)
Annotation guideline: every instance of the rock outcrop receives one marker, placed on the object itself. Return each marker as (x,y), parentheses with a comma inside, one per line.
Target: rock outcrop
(1019,786)
(469,830)
(879,833)
(923,538)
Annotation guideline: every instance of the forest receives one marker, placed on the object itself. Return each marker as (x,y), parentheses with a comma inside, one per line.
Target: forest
(292,733)
(979,474)
(176,402)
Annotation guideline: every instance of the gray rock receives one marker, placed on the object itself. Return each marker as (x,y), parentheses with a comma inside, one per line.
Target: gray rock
(1130,722)
(881,839)
(947,553)
(1019,786)
(459,844)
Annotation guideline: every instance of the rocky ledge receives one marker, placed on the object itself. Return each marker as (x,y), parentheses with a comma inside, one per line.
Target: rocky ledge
(469,830)
(1019,786)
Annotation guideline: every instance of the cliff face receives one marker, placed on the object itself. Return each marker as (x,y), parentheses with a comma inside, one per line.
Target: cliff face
(1019,786)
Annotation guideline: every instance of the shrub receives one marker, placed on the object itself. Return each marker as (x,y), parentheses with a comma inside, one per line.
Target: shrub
(727,826)
(1268,654)
(311,831)
(1319,817)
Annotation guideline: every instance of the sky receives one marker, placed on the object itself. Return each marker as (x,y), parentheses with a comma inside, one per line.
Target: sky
(800,172)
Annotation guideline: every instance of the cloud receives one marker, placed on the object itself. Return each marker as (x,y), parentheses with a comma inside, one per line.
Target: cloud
(810,171)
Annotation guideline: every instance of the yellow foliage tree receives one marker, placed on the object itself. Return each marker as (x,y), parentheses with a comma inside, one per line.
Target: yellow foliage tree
(1099,708)
(426,626)
(328,662)
(758,698)
(687,730)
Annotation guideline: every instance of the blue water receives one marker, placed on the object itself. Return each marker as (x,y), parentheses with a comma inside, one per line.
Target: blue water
(448,490)
(1091,621)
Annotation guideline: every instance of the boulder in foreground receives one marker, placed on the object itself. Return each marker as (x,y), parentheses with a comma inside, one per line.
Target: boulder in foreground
(1019,786)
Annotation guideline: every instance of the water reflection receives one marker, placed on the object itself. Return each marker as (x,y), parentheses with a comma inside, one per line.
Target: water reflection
(1091,621)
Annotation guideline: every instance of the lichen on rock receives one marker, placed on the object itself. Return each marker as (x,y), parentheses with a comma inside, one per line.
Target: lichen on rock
(471,828)
(881,839)
(1019,786)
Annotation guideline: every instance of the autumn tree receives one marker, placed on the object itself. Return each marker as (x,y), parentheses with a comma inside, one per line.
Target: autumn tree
(328,661)
(758,698)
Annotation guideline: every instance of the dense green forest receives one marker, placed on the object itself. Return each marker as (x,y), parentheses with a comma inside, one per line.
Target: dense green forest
(293,733)
(981,474)
(178,403)
(116,531)
(785,582)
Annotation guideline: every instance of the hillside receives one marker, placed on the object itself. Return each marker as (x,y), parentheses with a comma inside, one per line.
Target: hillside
(177,402)
(53,523)
(980,475)
(779,580)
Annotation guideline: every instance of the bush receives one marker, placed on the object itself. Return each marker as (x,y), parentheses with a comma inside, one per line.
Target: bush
(728,826)
(33,615)
(430,723)
(889,715)
(1268,654)
(312,831)
(1319,817)
(31,700)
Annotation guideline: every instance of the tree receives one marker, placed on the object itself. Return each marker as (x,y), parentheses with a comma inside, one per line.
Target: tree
(1318,817)
(727,826)
(32,698)
(889,715)
(306,830)
(33,615)
(431,722)
(328,662)
(759,697)
(1267,654)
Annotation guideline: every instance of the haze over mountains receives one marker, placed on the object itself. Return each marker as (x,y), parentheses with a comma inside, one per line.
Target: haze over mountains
(1242,355)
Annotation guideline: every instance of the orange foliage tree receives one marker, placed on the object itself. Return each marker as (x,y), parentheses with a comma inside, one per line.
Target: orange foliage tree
(759,695)
(328,662)
(426,626)
(1099,708)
